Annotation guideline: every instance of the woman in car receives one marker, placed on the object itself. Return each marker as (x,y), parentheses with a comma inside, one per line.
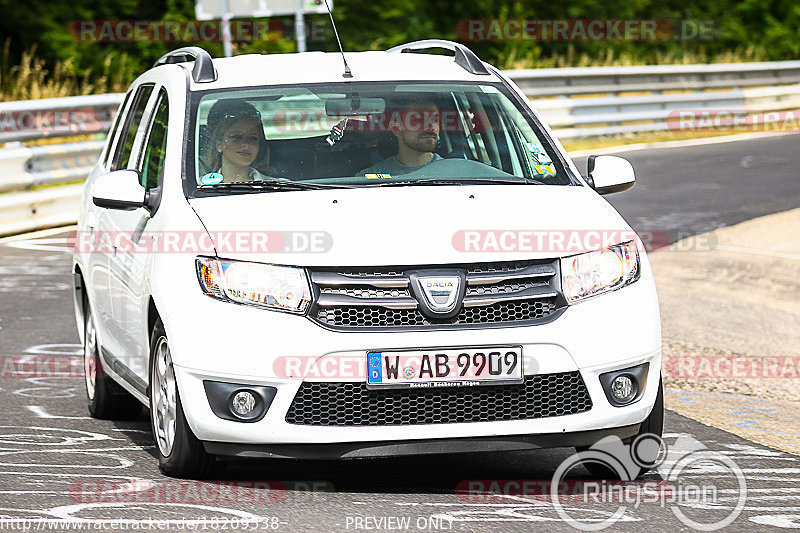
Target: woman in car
(236,144)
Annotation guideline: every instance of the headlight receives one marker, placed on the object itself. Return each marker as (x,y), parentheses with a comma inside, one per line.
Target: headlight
(269,286)
(598,272)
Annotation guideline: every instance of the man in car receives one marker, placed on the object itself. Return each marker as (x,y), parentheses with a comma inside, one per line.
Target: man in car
(415,123)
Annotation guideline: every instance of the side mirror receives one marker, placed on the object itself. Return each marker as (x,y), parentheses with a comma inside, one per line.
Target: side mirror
(609,173)
(120,189)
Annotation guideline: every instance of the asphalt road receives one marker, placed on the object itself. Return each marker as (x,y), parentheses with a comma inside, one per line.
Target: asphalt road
(691,190)
(59,467)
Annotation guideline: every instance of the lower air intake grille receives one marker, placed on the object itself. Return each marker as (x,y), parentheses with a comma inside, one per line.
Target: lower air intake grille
(352,404)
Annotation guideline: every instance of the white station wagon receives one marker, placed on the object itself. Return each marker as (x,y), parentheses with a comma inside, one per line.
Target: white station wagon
(290,256)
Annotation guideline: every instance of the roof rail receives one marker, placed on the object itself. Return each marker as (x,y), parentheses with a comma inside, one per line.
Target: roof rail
(203,71)
(465,58)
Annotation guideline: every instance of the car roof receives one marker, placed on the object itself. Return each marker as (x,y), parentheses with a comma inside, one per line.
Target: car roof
(327,67)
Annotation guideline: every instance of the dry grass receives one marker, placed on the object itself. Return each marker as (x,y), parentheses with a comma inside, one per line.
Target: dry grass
(31,79)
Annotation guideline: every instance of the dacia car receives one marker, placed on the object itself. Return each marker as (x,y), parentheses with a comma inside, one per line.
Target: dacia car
(290,256)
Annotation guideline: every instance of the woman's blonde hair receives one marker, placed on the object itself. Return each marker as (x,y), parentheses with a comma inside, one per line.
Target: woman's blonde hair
(212,159)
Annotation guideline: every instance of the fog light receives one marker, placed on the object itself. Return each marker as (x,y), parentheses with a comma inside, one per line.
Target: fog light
(622,388)
(238,402)
(625,386)
(243,403)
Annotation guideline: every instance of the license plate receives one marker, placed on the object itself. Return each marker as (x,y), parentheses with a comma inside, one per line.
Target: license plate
(444,368)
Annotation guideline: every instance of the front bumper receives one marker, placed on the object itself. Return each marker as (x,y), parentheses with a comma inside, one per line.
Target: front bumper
(219,341)
(274,429)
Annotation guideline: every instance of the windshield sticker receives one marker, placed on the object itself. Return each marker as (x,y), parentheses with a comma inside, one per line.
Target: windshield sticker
(489,89)
(545,170)
(538,155)
(377,176)
(212,178)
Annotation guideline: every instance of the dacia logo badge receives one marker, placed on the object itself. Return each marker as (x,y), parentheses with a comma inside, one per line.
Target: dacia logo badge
(441,292)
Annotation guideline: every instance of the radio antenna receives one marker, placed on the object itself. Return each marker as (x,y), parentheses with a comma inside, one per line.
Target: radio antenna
(347,73)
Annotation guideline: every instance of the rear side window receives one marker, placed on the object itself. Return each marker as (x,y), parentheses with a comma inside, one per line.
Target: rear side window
(125,144)
(156,149)
(114,130)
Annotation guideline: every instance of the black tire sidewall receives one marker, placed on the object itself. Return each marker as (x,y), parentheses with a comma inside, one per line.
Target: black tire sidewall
(187,457)
(653,424)
(100,405)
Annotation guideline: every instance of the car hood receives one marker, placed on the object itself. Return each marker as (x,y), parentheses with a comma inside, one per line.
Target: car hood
(409,225)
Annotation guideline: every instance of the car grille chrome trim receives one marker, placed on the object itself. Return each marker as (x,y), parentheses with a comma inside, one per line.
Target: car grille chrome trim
(525,294)
(333,279)
(497,294)
(342,300)
(533,271)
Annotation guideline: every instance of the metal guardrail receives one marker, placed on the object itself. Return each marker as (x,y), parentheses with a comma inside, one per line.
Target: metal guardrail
(576,102)
(26,120)
(26,167)
(32,210)
(597,101)
(538,83)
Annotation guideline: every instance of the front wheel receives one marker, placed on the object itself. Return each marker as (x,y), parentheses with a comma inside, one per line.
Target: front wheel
(652,425)
(180,453)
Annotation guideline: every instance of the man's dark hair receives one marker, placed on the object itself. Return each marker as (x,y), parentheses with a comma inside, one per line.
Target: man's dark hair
(412,101)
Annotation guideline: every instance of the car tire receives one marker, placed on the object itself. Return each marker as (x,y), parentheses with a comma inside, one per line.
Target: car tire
(106,399)
(652,425)
(180,453)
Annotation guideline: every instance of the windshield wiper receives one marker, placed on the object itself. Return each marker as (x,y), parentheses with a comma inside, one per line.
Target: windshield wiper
(463,181)
(273,184)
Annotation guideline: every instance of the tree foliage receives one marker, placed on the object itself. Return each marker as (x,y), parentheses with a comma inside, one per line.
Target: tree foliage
(743,30)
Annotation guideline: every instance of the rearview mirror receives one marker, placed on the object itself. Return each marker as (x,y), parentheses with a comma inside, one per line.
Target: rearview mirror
(354,106)
(120,189)
(609,174)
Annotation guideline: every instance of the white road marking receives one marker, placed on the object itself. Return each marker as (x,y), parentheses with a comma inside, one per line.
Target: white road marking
(786,521)
(56,349)
(46,392)
(68,512)
(61,244)
(40,432)
(122,462)
(40,411)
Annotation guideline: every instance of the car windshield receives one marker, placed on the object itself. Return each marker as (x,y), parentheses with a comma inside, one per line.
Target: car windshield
(366,134)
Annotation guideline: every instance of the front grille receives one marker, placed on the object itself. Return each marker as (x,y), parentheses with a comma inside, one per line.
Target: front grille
(367,292)
(378,317)
(500,293)
(503,287)
(352,404)
(504,266)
